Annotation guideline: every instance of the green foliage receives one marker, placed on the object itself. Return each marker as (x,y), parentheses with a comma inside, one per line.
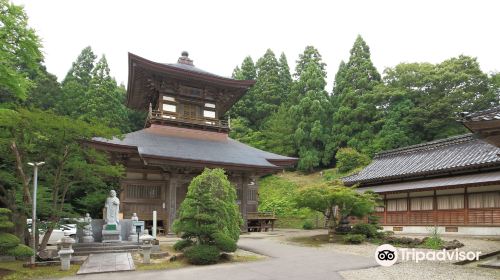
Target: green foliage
(20,251)
(308,225)
(71,169)
(368,230)
(202,254)
(311,114)
(224,242)
(349,159)
(20,53)
(182,244)
(422,101)
(353,102)
(354,238)
(89,93)
(7,241)
(209,208)
(434,243)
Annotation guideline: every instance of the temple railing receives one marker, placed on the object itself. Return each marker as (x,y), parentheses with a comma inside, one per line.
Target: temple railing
(156,116)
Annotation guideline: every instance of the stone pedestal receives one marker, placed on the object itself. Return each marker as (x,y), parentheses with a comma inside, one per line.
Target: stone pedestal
(111,233)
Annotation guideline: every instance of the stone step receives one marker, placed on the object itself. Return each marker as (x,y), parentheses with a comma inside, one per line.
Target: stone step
(90,249)
(86,253)
(99,244)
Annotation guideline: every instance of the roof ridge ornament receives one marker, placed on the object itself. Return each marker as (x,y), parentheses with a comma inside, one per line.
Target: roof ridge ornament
(184,59)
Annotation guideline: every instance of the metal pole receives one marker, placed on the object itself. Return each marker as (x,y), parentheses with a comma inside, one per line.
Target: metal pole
(33,214)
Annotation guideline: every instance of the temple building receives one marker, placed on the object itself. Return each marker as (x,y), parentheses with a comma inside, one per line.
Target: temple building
(185,131)
(452,183)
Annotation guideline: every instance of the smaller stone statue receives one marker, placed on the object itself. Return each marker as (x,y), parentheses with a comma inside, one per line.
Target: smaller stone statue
(134,217)
(87,229)
(134,221)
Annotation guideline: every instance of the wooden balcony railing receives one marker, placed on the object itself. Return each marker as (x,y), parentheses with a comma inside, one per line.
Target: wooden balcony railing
(156,116)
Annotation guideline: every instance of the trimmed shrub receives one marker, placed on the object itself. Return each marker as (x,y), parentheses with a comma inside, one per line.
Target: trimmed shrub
(307,225)
(433,243)
(181,244)
(224,242)
(368,230)
(20,251)
(349,159)
(8,241)
(202,254)
(354,238)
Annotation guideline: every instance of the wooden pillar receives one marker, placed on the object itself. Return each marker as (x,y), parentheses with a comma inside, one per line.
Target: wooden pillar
(244,180)
(408,208)
(466,206)
(385,209)
(434,208)
(172,200)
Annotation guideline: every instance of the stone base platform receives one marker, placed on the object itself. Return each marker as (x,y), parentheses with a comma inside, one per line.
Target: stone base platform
(107,262)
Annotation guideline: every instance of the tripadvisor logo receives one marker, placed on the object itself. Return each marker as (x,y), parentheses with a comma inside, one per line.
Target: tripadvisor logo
(387,255)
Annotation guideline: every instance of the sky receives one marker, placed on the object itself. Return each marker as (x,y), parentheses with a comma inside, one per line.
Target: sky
(219,34)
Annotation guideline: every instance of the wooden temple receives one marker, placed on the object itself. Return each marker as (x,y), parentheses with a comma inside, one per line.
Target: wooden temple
(185,131)
(452,184)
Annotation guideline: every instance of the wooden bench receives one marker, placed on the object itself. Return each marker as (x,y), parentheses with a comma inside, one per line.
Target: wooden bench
(260,221)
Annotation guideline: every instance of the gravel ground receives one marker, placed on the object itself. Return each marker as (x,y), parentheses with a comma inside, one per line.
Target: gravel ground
(409,269)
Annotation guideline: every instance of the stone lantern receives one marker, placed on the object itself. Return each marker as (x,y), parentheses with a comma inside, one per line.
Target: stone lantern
(147,244)
(65,251)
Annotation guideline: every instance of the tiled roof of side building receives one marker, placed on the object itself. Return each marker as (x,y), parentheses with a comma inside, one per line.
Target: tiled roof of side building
(485,115)
(190,145)
(454,154)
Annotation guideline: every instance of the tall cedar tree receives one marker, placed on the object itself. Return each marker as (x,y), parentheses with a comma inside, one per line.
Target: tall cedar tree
(91,94)
(352,101)
(311,122)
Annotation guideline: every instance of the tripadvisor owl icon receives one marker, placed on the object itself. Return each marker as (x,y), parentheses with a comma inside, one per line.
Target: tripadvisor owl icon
(386,255)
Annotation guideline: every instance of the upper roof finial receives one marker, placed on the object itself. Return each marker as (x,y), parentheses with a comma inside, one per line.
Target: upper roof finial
(184,59)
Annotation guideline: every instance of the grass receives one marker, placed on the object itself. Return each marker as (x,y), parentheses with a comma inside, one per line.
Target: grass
(166,264)
(316,240)
(18,272)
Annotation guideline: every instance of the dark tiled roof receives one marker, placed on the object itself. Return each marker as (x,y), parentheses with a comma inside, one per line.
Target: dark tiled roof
(476,178)
(485,115)
(193,68)
(225,151)
(457,153)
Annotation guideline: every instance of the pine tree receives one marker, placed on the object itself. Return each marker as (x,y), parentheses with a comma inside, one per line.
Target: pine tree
(353,102)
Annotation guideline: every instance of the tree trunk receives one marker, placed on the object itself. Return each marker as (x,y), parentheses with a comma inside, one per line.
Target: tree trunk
(20,228)
(45,239)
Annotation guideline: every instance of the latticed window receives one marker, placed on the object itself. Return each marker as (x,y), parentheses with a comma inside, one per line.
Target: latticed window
(138,191)
(190,111)
(252,195)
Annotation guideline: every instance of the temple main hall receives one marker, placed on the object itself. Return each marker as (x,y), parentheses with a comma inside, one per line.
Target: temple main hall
(186,130)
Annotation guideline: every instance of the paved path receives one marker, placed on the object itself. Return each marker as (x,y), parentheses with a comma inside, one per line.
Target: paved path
(286,262)
(107,262)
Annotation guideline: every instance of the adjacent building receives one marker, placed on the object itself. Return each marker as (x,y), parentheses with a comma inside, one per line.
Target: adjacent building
(185,131)
(452,183)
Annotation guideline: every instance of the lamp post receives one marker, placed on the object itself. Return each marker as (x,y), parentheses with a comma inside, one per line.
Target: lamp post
(33,213)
